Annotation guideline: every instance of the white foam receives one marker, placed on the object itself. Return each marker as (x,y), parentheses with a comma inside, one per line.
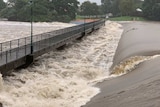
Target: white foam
(130,64)
(64,78)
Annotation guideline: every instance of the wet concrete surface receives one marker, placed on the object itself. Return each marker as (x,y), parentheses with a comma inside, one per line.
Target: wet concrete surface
(138,39)
(140,87)
(127,90)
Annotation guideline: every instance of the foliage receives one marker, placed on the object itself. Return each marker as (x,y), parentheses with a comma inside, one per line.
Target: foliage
(66,7)
(115,8)
(9,13)
(43,10)
(107,6)
(151,9)
(156,12)
(2,5)
(126,7)
(120,7)
(88,8)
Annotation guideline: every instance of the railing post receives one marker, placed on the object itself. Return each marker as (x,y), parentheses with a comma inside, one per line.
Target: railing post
(41,45)
(10,47)
(84,24)
(38,42)
(18,50)
(6,57)
(1,50)
(49,40)
(31,20)
(1,47)
(25,47)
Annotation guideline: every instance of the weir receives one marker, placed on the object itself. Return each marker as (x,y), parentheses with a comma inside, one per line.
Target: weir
(139,42)
(17,53)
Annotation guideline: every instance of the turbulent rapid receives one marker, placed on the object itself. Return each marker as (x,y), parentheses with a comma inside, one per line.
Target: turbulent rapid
(130,64)
(63,78)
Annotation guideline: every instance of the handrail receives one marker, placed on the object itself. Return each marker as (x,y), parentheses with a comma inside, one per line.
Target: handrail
(18,48)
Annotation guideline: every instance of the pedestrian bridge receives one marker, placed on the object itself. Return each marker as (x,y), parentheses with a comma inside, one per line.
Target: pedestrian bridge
(17,53)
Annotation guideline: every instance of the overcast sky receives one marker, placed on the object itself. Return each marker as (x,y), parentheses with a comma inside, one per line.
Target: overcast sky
(97,1)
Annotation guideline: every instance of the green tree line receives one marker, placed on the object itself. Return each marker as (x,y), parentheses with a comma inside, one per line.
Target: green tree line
(66,10)
(47,10)
(43,10)
(150,8)
(121,7)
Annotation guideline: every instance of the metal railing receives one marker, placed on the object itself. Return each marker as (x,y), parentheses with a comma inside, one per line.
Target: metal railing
(18,48)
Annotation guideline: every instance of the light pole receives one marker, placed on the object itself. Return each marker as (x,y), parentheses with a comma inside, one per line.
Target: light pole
(31,2)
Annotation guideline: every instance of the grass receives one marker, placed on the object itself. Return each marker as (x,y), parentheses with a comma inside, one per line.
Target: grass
(79,17)
(127,18)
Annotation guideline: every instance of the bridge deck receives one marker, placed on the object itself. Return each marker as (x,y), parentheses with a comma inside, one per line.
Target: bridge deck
(14,53)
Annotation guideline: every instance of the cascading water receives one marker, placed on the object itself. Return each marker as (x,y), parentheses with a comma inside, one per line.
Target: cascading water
(64,78)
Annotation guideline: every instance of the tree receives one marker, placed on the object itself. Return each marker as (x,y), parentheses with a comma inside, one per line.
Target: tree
(107,6)
(126,7)
(120,7)
(147,8)
(115,8)
(2,5)
(43,10)
(151,9)
(88,8)
(9,13)
(156,11)
(66,7)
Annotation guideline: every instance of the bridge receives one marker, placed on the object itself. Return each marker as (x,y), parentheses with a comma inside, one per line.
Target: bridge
(17,53)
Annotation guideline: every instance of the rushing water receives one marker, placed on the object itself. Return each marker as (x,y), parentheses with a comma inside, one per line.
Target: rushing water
(15,30)
(64,78)
(130,64)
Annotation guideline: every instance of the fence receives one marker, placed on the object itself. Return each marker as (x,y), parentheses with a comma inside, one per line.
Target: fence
(15,49)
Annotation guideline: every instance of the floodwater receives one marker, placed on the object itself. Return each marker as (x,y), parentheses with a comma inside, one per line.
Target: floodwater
(15,30)
(61,78)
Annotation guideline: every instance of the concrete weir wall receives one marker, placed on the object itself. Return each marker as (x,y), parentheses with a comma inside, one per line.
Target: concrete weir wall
(139,39)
